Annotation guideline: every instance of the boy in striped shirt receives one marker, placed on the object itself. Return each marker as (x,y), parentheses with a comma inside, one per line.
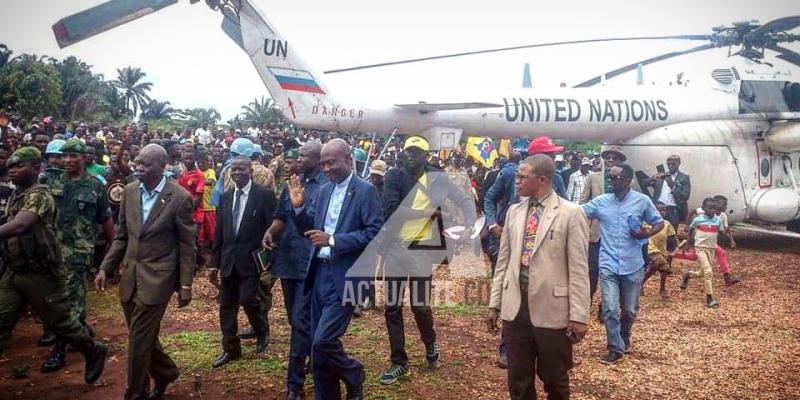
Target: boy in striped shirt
(703,236)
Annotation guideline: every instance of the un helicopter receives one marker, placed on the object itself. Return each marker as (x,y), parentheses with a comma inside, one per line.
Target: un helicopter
(746,123)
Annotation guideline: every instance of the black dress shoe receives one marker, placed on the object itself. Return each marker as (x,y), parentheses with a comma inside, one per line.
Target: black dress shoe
(294,395)
(225,358)
(57,357)
(248,334)
(95,362)
(261,344)
(357,393)
(160,388)
(48,339)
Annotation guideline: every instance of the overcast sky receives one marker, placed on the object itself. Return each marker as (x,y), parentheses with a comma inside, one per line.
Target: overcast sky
(192,63)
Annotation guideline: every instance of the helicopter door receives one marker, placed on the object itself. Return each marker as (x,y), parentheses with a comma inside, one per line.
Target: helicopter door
(764,164)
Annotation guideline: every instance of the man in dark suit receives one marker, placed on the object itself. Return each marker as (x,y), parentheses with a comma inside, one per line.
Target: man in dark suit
(673,188)
(244,214)
(290,262)
(155,249)
(345,218)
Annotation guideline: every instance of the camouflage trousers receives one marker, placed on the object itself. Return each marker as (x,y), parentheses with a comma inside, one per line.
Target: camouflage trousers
(266,283)
(48,296)
(76,287)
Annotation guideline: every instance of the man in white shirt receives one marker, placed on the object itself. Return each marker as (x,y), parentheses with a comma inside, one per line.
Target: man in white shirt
(577,181)
(203,135)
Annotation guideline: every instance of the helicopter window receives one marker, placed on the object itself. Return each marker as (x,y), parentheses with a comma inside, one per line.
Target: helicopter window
(791,94)
(765,167)
(762,97)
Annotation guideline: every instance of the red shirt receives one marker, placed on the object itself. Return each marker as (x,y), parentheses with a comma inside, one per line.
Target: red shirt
(195,183)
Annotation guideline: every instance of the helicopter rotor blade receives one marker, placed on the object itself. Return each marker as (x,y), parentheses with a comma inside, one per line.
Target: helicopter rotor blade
(631,67)
(778,25)
(785,54)
(470,53)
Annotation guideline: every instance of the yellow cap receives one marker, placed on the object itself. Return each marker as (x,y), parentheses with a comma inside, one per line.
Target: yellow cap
(417,141)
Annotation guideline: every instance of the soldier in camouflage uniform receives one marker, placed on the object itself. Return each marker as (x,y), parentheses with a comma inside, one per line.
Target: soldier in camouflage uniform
(83,210)
(35,273)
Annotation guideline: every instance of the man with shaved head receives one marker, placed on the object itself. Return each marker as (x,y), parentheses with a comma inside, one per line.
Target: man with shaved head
(293,253)
(340,221)
(540,288)
(154,249)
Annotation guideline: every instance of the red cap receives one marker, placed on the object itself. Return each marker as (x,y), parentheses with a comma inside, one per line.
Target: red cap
(543,144)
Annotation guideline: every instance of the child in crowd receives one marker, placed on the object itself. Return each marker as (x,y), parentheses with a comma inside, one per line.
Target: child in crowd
(703,232)
(723,237)
(660,259)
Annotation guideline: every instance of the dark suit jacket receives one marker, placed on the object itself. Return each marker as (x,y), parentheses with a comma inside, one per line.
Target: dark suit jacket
(158,256)
(359,222)
(681,192)
(234,251)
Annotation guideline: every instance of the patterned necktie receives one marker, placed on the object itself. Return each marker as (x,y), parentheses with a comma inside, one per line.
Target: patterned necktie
(530,235)
(237,204)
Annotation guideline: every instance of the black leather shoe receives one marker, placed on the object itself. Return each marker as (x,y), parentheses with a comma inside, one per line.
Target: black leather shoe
(95,362)
(48,339)
(56,359)
(225,358)
(160,388)
(261,344)
(357,393)
(295,395)
(248,334)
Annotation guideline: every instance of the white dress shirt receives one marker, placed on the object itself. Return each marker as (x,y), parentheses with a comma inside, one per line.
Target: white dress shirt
(666,193)
(242,202)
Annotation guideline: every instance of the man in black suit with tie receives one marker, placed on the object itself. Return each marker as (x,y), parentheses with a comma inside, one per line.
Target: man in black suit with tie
(244,214)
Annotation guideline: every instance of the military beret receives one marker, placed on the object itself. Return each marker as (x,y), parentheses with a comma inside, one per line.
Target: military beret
(73,146)
(291,154)
(24,154)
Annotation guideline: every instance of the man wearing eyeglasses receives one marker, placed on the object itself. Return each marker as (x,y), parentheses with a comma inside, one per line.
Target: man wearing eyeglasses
(621,214)
(540,288)
(597,184)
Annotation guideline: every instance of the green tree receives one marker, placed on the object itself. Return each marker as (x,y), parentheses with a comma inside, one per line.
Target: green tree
(157,110)
(198,116)
(129,82)
(260,112)
(5,55)
(30,86)
(81,89)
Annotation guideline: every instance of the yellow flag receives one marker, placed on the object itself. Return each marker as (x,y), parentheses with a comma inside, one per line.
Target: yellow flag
(482,150)
(504,148)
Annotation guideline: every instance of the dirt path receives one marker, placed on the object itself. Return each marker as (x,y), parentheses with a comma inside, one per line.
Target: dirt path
(749,348)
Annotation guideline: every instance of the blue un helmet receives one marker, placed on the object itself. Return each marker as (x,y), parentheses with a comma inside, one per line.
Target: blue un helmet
(257,150)
(359,155)
(54,147)
(243,147)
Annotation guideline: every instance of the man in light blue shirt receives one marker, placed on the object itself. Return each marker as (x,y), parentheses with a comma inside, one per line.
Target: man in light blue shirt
(622,236)
(334,209)
(148,199)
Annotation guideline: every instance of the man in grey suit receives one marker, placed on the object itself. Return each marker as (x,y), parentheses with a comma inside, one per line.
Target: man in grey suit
(155,251)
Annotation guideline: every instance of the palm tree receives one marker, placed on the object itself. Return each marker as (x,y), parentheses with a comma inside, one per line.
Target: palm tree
(260,112)
(198,116)
(133,90)
(5,55)
(157,110)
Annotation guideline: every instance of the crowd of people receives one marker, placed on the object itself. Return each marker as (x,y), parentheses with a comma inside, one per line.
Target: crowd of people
(247,207)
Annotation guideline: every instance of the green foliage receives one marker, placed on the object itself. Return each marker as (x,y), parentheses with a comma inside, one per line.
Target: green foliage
(30,87)
(195,117)
(155,110)
(584,147)
(261,112)
(81,89)
(129,82)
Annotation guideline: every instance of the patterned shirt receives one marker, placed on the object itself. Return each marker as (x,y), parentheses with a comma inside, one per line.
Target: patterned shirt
(705,231)
(535,209)
(577,181)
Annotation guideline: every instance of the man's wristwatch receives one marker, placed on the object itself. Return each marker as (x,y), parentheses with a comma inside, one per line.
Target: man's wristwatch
(331,242)
(186,287)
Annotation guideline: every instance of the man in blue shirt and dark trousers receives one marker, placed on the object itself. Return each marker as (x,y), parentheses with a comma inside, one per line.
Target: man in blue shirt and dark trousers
(345,217)
(621,214)
(290,262)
